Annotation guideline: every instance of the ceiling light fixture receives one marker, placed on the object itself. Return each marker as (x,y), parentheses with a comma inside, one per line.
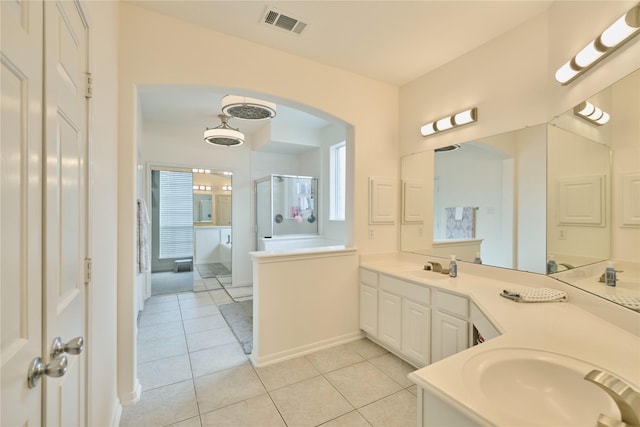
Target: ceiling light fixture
(589,112)
(450,122)
(625,27)
(224,134)
(242,107)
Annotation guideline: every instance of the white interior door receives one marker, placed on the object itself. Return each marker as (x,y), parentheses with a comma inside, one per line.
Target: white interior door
(20,209)
(65,220)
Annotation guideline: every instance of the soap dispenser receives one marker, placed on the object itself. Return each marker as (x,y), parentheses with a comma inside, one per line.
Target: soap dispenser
(477,259)
(453,267)
(610,274)
(552,267)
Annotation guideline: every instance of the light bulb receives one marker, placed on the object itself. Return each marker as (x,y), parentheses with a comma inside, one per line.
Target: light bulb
(617,32)
(588,55)
(596,115)
(444,124)
(604,119)
(566,73)
(587,109)
(464,117)
(427,129)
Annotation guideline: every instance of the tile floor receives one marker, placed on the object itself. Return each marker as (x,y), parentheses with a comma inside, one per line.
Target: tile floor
(168,282)
(194,374)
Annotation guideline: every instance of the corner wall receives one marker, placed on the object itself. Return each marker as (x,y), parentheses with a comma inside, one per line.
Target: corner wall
(103,404)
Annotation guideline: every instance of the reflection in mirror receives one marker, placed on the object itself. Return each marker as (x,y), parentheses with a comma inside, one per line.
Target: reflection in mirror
(471,203)
(594,180)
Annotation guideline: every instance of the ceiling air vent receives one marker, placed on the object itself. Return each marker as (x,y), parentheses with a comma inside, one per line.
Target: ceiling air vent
(283,20)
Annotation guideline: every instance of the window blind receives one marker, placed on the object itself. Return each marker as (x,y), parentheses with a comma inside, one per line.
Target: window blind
(176,214)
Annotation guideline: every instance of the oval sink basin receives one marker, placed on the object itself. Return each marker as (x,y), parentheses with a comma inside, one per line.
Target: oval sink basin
(531,387)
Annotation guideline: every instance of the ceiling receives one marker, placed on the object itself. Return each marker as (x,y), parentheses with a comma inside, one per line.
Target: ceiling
(390,41)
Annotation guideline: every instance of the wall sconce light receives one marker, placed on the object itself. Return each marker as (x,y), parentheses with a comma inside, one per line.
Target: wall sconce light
(625,27)
(449,122)
(196,170)
(202,187)
(226,188)
(589,112)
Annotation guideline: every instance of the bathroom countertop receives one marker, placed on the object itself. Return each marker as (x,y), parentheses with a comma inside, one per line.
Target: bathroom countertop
(564,328)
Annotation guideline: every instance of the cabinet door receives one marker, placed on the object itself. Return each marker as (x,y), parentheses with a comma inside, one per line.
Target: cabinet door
(416,331)
(369,309)
(390,320)
(450,335)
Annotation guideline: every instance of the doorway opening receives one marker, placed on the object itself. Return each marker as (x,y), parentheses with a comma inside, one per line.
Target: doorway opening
(191,230)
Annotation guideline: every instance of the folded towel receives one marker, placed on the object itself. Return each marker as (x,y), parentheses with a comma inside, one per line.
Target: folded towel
(630,302)
(535,295)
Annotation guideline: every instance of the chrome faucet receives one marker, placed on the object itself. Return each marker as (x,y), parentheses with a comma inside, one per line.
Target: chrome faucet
(566,265)
(626,398)
(432,265)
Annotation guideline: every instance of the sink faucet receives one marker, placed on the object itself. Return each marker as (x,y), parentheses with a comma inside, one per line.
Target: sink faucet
(432,265)
(627,399)
(566,265)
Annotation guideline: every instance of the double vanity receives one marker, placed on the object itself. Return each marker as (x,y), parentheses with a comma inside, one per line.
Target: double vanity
(487,360)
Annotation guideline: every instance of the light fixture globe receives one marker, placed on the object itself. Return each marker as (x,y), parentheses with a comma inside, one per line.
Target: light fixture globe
(224,134)
(245,108)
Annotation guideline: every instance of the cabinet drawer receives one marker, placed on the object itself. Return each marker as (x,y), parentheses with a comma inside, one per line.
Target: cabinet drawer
(454,304)
(369,277)
(415,292)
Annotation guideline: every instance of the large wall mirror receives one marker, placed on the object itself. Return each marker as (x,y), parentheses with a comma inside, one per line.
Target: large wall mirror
(567,190)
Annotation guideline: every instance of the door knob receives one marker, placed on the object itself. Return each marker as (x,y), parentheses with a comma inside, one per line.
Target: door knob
(75,346)
(56,368)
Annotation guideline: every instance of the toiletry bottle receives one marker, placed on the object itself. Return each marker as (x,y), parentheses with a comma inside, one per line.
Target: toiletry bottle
(610,275)
(453,267)
(477,259)
(552,267)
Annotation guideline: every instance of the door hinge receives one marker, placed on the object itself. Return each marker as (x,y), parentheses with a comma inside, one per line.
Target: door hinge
(88,265)
(89,93)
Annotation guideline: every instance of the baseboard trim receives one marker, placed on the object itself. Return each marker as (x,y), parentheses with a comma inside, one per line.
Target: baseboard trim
(265,360)
(133,396)
(116,414)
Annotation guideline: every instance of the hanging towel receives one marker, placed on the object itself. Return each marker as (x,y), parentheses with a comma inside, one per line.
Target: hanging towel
(458,214)
(143,255)
(463,228)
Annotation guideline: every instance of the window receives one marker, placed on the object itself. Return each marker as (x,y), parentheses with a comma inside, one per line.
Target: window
(176,214)
(337,166)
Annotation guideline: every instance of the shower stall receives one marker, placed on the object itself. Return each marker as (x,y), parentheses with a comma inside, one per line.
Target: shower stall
(287,213)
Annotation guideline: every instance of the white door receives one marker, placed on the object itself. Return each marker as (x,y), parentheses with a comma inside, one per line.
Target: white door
(42,245)
(20,209)
(65,209)
(223,210)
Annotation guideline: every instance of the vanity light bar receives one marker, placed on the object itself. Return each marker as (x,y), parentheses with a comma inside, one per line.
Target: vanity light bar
(591,113)
(450,122)
(202,187)
(226,188)
(196,170)
(625,27)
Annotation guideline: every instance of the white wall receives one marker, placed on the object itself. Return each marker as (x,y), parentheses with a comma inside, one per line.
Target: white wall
(101,343)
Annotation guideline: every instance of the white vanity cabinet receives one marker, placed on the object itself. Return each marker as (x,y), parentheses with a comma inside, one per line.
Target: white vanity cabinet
(369,302)
(450,325)
(397,314)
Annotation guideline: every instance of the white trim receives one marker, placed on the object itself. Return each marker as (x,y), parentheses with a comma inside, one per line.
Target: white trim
(260,362)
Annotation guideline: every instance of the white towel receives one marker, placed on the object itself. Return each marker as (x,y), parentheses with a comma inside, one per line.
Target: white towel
(143,255)
(458,214)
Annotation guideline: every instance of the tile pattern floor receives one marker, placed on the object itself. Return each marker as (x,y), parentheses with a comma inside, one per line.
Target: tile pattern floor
(194,374)
(168,282)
